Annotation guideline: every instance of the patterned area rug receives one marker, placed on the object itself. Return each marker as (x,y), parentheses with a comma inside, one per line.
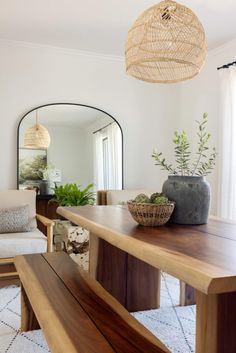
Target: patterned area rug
(174,325)
(11,340)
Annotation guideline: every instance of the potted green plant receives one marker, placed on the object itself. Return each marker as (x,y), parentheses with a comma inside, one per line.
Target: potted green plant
(75,237)
(72,195)
(186,184)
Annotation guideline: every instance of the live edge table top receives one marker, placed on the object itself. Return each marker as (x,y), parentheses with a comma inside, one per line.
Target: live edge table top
(203,256)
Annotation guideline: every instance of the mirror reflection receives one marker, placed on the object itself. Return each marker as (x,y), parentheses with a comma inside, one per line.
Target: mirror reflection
(84,146)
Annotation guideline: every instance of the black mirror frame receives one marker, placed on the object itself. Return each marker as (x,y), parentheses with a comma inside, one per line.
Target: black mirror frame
(80,105)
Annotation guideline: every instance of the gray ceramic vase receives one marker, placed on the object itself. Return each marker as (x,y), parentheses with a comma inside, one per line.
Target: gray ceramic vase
(192,198)
(45,187)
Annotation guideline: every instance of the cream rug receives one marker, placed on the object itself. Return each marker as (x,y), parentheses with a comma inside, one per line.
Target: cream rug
(11,340)
(174,325)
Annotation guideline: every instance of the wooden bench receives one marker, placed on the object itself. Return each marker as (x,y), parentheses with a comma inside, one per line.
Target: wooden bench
(74,311)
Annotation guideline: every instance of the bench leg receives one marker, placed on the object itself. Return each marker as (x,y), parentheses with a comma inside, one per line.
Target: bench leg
(187,294)
(29,321)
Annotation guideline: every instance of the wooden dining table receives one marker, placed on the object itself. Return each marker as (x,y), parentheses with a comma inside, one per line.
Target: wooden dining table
(204,256)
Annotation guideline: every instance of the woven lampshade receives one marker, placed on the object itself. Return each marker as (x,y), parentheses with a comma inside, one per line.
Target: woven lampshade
(37,136)
(166,44)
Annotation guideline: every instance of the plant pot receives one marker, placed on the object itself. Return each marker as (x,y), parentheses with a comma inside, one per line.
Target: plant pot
(45,188)
(192,198)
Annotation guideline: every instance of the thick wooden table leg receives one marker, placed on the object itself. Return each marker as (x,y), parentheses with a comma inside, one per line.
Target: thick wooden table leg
(93,254)
(132,282)
(107,265)
(28,319)
(143,285)
(187,294)
(216,323)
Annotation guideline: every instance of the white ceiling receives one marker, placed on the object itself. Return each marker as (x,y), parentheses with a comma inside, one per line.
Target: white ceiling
(100,25)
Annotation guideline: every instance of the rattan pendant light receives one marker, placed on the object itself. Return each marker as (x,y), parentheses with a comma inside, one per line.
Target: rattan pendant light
(37,136)
(166,44)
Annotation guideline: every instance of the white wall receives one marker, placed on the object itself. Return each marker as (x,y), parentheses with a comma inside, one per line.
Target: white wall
(34,75)
(69,154)
(148,113)
(201,95)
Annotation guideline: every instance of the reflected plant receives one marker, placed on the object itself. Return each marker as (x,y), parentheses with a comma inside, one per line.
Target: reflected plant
(46,172)
(72,195)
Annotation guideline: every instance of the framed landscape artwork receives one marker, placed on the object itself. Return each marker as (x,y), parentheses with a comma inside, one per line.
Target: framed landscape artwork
(31,164)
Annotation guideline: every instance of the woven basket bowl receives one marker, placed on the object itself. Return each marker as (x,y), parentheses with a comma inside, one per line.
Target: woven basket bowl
(150,214)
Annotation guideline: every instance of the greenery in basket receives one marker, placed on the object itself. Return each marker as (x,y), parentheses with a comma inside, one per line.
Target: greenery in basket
(156,198)
(205,158)
(72,195)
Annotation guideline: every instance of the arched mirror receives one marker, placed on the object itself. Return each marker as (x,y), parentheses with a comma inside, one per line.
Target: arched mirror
(85,146)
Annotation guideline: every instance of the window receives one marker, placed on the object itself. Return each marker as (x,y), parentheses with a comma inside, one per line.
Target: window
(227,147)
(108,158)
(105,162)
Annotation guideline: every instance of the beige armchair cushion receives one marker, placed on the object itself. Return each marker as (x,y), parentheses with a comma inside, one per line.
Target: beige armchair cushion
(16,198)
(119,197)
(12,244)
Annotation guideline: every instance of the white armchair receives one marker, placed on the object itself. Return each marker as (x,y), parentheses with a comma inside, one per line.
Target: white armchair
(22,242)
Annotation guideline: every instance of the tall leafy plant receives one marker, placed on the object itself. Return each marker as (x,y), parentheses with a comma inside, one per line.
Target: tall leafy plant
(201,164)
(72,195)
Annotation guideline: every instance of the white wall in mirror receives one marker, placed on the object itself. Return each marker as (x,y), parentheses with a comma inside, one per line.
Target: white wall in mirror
(71,151)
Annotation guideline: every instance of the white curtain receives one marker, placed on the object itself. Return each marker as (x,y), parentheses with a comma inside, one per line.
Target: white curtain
(227,149)
(108,159)
(98,161)
(114,157)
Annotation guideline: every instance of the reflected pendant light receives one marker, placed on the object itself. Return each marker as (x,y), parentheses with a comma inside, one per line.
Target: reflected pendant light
(37,136)
(166,44)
